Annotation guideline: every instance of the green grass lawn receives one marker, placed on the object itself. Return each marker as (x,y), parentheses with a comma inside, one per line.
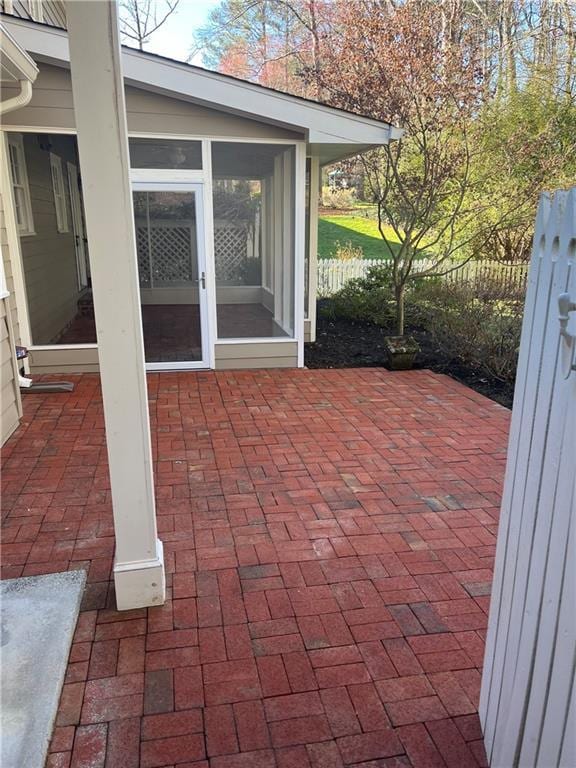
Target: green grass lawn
(358,230)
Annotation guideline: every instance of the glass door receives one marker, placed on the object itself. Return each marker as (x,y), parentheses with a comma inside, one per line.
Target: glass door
(171,266)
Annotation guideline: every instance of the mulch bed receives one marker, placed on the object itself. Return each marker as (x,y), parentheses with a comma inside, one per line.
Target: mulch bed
(345,344)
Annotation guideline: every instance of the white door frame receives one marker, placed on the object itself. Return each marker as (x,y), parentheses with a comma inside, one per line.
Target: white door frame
(77,225)
(196,187)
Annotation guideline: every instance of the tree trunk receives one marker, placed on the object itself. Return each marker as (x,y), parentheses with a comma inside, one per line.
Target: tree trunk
(399,295)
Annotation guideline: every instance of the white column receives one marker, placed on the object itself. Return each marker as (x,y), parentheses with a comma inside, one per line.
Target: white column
(278,225)
(313,245)
(288,239)
(103,149)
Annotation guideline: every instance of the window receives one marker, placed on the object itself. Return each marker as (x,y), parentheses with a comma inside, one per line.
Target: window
(59,193)
(35,10)
(177,154)
(19,175)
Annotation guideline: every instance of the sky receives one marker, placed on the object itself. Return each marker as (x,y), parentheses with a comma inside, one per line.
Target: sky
(174,38)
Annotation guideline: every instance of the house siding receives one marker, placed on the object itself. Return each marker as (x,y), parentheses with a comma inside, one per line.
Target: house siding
(48,256)
(10,405)
(52,107)
(53,11)
(63,360)
(256,355)
(227,357)
(8,256)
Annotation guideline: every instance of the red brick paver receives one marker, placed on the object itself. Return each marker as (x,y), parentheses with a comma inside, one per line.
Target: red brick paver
(329,538)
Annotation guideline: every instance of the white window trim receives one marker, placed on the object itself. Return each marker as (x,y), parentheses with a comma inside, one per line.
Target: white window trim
(16,142)
(60,205)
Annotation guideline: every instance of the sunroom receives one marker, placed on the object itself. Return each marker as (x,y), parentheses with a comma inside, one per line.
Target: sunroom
(225,179)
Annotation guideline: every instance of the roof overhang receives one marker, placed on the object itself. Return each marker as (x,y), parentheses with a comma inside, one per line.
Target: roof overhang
(18,70)
(332,134)
(15,64)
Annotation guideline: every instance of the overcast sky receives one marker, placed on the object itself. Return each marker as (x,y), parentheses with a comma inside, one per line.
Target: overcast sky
(174,38)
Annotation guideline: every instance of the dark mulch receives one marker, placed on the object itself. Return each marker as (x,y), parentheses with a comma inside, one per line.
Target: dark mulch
(345,344)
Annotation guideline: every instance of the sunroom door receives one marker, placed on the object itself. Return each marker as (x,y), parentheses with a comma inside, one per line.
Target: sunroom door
(172,274)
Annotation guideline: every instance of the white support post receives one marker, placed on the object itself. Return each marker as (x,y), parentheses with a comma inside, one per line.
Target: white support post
(299,248)
(288,239)
(278,225)
(100,111)
(313,244)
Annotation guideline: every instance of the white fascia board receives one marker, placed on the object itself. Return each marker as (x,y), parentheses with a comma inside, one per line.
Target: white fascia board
(16,63)
(322,124)
(242,98)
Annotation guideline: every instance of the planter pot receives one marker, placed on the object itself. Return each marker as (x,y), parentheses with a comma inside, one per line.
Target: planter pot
(401,352)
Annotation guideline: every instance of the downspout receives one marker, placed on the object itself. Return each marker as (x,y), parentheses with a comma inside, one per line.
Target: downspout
(10,105)
(21,100)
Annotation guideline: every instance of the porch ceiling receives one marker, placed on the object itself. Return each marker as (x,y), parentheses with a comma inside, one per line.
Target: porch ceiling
(329,538)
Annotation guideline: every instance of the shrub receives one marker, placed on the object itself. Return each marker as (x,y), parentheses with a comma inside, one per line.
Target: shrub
(485,334)
(475,331)
(366,299)
(346,251)
(340,199)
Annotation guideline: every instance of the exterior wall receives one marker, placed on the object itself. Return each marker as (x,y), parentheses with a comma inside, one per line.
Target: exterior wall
(10,405)
(9,392)
(63,360)
(53,11)
(8,256)
(48,256)
(258,355)
(228,356)
(51,107)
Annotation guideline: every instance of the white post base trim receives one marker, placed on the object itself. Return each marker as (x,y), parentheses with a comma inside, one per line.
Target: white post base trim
(141,584)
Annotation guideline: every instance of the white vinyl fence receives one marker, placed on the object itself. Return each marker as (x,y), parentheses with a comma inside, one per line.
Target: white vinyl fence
(333,274)
(528,700)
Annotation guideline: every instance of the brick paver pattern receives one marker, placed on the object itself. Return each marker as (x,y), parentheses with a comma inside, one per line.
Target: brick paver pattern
(329,540)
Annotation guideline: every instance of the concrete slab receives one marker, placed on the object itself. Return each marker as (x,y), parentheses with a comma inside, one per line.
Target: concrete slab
(39,616)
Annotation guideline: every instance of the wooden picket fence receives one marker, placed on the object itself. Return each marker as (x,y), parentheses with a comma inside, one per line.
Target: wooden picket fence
(528,699)
(503,279)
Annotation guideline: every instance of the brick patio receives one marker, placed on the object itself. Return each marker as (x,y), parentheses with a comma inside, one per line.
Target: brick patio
(329,538)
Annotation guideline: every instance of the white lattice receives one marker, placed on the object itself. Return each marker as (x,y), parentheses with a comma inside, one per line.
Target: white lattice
(165,253)
(230,251)
(143,255)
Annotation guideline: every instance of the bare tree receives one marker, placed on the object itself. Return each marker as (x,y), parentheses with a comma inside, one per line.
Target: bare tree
(139,19)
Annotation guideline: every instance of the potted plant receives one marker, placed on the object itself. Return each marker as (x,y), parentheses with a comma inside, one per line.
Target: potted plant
(401,351)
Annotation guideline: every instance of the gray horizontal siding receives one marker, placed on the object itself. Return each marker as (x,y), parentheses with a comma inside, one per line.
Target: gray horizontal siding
(52,107)
(256,355)
(9,414)
(53,12)
(63,360)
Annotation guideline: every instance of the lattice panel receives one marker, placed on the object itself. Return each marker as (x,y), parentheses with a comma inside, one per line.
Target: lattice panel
(142,253)
(230,251)
(171,254)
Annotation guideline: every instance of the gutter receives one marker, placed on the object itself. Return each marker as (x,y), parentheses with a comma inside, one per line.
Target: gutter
(18,101)
(15,65)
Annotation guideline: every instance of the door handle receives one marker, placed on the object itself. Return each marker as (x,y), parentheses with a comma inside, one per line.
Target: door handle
(202,280)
